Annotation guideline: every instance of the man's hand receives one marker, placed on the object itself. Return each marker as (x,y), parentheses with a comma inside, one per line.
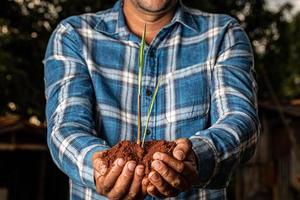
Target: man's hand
(123,181)
(172,175)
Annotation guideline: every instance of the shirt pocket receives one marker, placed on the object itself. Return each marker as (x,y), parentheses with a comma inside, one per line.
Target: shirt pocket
(187,95)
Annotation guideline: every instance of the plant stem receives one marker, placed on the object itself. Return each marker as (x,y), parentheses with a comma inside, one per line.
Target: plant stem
(150,110)
(141,65)
(139,121)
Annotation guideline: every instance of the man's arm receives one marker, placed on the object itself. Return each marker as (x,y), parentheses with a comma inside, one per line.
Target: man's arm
(69,108)
(71,129)
(235,125)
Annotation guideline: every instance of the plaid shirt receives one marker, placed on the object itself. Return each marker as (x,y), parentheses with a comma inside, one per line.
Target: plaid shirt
(207,93)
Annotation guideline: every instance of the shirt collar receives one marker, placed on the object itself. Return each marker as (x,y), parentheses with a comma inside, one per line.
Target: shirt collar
(119,27)
(114,23)
(183,17)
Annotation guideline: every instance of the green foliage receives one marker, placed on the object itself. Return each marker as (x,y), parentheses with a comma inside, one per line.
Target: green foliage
(141,60)
(26,25)
(292,85)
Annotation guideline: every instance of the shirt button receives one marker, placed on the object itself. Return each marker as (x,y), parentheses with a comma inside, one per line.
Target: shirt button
(148,92)
(152,54)
(148,132)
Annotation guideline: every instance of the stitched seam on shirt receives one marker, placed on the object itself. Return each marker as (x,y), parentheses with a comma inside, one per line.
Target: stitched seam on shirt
(65,58)
(70,30)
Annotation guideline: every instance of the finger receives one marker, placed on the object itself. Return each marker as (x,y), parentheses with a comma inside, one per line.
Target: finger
(98,180)
(143,192)
(162,186)
(123,182)
(98,163)
(183,147)
(152,190)
(100,166)
(190,173)
(136,183)
(145,183)
(100,170)
(169,175)
(112,175)
(170,161)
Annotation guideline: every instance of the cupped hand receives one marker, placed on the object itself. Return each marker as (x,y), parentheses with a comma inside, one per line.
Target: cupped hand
(123,181)
(171,175)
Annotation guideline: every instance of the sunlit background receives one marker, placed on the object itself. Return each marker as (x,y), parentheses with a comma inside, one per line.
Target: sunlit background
(275,4)
(26,170)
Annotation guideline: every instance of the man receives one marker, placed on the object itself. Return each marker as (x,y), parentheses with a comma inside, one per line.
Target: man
(206,102)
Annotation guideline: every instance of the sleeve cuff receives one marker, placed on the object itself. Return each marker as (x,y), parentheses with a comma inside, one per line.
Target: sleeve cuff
(206,160)
(86,165)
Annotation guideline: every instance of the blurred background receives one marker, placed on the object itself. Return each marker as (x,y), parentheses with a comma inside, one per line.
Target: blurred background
(26,170)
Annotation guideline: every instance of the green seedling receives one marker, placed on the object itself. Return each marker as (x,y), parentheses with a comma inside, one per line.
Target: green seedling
(141,66)
(150,111)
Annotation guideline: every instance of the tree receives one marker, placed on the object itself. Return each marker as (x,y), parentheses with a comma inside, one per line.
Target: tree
(292,84)
(25,27)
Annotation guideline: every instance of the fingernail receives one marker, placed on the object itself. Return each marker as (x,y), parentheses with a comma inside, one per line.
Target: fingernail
(151,189)
(156,165)
(156,156)
(131,166)
(176,182)
(140,170)
(120,162)
(179,155)
(103,169)
(145,181)
(154,177)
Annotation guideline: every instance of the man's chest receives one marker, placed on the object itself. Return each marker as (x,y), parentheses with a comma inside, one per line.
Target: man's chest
(183,94)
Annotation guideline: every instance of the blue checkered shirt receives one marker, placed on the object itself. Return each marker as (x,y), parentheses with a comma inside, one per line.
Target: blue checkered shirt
(207,93)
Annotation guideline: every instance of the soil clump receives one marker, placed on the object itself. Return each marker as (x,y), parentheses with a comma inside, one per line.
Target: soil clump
(131,151)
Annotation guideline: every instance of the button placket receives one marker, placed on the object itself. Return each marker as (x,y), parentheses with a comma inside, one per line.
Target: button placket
(150,71)
(152,53)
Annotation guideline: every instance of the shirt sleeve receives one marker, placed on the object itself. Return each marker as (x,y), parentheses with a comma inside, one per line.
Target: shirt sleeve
(70,107)
(232,136)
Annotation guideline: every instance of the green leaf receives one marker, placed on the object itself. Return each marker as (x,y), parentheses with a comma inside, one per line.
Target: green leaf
(141,60)
(150,110)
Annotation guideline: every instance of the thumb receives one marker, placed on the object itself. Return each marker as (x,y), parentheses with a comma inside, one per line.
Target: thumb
(182,149)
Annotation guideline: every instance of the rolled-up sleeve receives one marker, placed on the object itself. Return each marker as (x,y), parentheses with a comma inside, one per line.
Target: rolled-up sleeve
(233,133)
(70,107)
